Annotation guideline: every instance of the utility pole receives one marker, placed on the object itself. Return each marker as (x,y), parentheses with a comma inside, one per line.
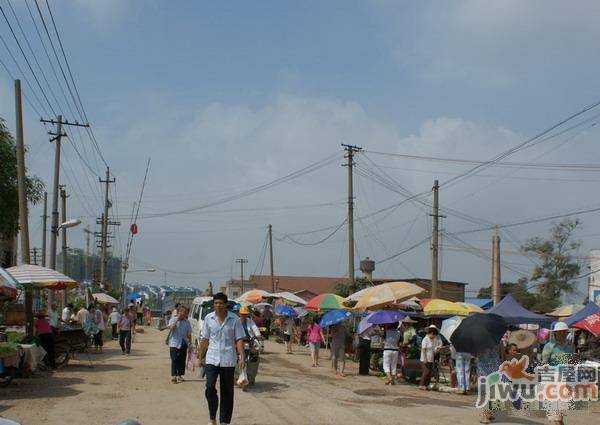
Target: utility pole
(44,229)
(22,193)
(242,261)
(271,258)
(64,247)
(55,186)
(104,242)
(496,277)
(34,253)
(350,151)
(88,233)
(434,241)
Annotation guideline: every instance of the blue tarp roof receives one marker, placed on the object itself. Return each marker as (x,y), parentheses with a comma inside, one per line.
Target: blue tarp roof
(588,310)
(484,303)
(515,314)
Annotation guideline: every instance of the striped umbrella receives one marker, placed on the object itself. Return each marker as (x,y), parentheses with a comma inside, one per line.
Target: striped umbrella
(325,302)
(8,285)
(41,277)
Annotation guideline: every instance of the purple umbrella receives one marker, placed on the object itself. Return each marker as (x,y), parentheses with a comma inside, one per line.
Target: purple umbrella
(383,317)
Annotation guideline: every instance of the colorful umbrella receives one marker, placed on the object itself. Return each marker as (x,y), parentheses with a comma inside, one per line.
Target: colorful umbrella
(383,317)
(334,317)
(8,285)
(41,277)
(253,296)
(288,296)
(442,307)
(591,323)
(479,333)
(325,302)
(424,301)
(387,293)
(285,310)
(471,307)
(565,310)
(262,305)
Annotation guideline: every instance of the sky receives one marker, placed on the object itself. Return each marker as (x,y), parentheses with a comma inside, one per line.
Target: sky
(227,96)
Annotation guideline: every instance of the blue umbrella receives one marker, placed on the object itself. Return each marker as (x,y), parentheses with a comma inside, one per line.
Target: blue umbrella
(334,317)
(301,312)
(134,296)
(383,317)
(285,310)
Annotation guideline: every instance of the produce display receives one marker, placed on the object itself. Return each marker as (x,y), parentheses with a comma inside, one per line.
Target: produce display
(8,349)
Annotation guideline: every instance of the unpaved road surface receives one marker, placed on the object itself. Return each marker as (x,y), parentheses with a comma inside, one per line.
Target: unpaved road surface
(288,392)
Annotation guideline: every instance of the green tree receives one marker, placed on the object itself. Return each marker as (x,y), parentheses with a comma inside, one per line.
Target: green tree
(517,289)
(343,290)
(9,207)
(557,268)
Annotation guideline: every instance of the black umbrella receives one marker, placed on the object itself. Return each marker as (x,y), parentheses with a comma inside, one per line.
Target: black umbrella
(479,333)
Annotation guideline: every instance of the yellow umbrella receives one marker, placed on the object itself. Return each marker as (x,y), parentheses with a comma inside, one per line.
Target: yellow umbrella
(387,293)
(566,310)
(471,307)
(443,307)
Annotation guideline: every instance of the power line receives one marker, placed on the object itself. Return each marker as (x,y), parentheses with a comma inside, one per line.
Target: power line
(288,236)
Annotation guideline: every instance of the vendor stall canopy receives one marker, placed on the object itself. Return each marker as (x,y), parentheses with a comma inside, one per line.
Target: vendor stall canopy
(41,277)
(584,313)
(515,314)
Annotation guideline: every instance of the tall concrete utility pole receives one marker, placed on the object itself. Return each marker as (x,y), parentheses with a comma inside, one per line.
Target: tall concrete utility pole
(242,261)
(64,247)
(22,194)
(44,229)
(104,241)
(55,186)
(88,233)
(350,151)
(271,258)
(496,276)
(434,242)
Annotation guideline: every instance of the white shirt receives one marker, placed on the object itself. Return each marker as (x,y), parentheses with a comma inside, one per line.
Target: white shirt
(222,338)
(392,337)
(99,319)
(428,347)
(180,333)
(114,317)
(83,316)
(66,314)
(53,318)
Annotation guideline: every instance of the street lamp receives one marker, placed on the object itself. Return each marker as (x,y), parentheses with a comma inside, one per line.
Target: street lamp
(69,224)
(142,270)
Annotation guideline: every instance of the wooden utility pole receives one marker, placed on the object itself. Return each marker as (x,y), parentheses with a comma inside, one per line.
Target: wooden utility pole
(350,151)
(496,276)
(271,258)
(22,194)
(434,242)
(104,231)
(242,261)
(44,229)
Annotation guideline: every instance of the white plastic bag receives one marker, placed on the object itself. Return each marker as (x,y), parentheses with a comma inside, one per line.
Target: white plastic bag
(243,378)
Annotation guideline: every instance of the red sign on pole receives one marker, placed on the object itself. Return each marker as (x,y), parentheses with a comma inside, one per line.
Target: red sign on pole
(134,229)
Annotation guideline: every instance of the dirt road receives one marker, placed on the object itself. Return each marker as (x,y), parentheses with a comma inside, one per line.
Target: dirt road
(288,392)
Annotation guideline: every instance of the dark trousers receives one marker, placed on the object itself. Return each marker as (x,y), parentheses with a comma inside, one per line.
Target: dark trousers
(47,342)
(427,373)
(114,331)
(178,356)
(99,339)
(364,347)
(226,387)
(125,341)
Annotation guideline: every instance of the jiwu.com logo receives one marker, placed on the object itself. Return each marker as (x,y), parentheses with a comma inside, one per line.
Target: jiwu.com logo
(561,383)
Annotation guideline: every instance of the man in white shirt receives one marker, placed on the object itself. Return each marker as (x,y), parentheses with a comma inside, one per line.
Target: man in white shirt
(66,313)
(82,316)
(221,348)
(429,348)
(114,321)
(53,316)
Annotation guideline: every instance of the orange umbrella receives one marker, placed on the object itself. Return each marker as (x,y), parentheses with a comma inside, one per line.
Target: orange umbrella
(253,296)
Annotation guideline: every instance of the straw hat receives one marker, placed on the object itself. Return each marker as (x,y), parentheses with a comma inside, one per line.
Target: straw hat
(522,338)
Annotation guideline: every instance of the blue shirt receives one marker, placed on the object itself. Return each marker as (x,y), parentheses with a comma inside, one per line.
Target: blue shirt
(555,353)
(179,334)
(222,338)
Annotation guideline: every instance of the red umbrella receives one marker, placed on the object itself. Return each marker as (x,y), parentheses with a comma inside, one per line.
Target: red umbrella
(590,323)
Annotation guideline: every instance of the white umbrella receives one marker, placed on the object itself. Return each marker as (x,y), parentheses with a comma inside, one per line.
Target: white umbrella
(357,295)
(450,325)
(104,298)
(288,296)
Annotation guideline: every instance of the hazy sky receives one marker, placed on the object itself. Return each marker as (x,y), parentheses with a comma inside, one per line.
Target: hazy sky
(225,96)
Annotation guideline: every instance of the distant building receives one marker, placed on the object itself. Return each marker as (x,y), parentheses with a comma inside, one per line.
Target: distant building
(594,278)
(307,287)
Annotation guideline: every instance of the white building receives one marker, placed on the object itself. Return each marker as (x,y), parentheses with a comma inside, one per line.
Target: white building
(594,279)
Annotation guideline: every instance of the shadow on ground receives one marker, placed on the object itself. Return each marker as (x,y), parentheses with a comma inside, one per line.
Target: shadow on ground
(51,387)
